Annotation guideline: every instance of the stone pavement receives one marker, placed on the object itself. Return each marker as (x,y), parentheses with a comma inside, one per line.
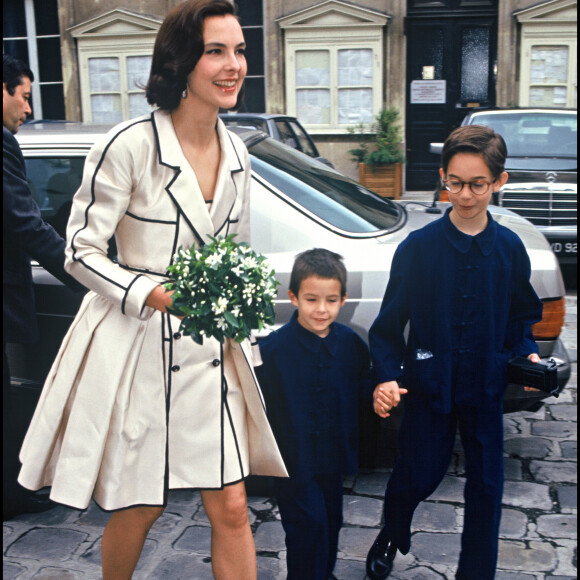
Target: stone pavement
(538,530)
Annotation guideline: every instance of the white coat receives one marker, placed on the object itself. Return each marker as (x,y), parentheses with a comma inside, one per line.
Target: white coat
(131,408)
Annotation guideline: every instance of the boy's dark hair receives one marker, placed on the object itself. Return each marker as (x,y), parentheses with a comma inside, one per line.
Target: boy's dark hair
(178,48)
(12,72)
(477,139)
(321,263)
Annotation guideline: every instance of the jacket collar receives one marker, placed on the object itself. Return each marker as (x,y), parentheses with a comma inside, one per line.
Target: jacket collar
(183,186)
(485,240)
(311,341)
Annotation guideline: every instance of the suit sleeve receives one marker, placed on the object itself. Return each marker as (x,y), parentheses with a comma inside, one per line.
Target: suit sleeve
(526,308)
(22,220)
(366,386)
(98,206)
(387,333)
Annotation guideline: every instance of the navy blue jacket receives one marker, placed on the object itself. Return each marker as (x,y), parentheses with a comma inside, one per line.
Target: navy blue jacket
(470,305)
(313,387)
(25,235)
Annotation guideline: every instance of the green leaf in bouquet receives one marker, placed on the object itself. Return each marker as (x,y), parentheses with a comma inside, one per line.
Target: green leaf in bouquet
(231,320)
(197,338)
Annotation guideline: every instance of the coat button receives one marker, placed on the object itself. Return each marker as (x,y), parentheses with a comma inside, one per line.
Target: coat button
(175,368)
(177,335)
(215,362)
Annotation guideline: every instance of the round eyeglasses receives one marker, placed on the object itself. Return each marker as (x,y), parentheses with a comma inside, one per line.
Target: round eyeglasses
(477,187)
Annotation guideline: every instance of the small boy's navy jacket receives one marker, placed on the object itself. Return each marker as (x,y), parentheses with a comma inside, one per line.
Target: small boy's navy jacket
(312,387)
(470,305)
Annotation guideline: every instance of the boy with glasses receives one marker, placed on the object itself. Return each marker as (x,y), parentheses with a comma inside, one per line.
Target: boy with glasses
(462,284)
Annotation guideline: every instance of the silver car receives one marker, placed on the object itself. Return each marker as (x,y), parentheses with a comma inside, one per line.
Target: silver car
(543,167)
(297,203)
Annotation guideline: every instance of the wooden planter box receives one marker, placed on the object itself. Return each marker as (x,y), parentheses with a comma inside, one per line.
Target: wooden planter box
(386,180)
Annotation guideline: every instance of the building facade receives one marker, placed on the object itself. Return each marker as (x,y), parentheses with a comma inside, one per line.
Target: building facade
(332,63)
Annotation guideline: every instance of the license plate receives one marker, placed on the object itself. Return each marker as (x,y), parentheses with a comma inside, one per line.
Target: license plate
(565,248)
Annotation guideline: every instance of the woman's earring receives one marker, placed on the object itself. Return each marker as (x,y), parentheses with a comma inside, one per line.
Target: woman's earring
(184,93)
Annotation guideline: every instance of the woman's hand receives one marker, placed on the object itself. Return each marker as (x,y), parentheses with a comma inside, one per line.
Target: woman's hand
(160,299)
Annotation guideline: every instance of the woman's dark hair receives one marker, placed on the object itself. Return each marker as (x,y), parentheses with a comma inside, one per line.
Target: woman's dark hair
(477,139)
(12,72)
(321,263)
(178,48)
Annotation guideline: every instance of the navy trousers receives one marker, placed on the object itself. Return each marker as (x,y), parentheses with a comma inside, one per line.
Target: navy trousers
(311,513)
(426,442)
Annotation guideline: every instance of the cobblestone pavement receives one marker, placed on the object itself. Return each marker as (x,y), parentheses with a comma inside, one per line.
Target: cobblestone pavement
(538,530)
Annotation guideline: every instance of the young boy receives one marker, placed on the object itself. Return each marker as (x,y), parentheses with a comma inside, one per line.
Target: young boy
(315,372)
(462,283)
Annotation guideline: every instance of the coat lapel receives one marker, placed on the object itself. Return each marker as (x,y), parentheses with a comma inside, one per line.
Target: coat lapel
(183,187)
(226,187)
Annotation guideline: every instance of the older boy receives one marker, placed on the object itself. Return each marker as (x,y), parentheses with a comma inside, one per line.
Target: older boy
(314,373)
(462,283)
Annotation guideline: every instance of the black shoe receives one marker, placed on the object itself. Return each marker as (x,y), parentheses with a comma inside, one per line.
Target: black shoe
(26,504)
(380,558)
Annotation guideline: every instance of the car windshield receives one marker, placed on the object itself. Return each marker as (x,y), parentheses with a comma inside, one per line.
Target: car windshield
(534,134)
(333,197)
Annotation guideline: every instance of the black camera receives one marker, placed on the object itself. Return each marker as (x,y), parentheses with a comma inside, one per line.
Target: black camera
(543,376)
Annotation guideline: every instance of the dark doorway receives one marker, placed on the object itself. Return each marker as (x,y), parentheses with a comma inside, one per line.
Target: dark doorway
(451,59)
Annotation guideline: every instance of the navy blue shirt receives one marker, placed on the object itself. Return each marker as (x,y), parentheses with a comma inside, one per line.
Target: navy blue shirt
(469,303)
(312,388)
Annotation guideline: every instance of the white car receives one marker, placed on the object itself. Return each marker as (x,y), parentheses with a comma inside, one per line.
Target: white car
(297,204)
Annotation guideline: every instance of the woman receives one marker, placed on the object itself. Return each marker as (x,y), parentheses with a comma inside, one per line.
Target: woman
(131,408)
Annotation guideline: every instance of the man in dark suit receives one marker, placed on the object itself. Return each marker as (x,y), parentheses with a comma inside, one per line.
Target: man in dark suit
(25,235)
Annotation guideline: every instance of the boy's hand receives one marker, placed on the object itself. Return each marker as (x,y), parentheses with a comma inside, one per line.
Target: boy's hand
(535,358)
(386,396)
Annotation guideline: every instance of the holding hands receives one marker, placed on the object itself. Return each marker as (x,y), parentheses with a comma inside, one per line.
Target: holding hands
(386,396)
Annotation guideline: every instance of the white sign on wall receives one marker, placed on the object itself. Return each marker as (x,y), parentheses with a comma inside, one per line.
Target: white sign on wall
(428,92)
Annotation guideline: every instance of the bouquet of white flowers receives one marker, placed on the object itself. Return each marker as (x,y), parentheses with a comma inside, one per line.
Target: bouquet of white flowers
(225,290)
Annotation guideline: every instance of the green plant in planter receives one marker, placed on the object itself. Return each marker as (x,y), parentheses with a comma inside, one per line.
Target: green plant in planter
(384,146)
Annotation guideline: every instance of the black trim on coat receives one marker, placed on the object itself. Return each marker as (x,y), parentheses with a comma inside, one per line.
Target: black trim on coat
(177,170)
(123,302)
(115,283)
(101,160)
(142,270)
(142,219)
(232,427)
(242,168)
(224,394)
(175,242)
(227,221)
(166,319)
(261,396)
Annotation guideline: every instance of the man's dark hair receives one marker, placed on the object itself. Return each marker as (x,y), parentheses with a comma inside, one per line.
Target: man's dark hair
(178,48)
(12,72)
(321,263)
(477,139)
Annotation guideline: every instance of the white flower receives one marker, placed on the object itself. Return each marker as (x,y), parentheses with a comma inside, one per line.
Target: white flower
(250,262)
(221,306)
(214,260)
